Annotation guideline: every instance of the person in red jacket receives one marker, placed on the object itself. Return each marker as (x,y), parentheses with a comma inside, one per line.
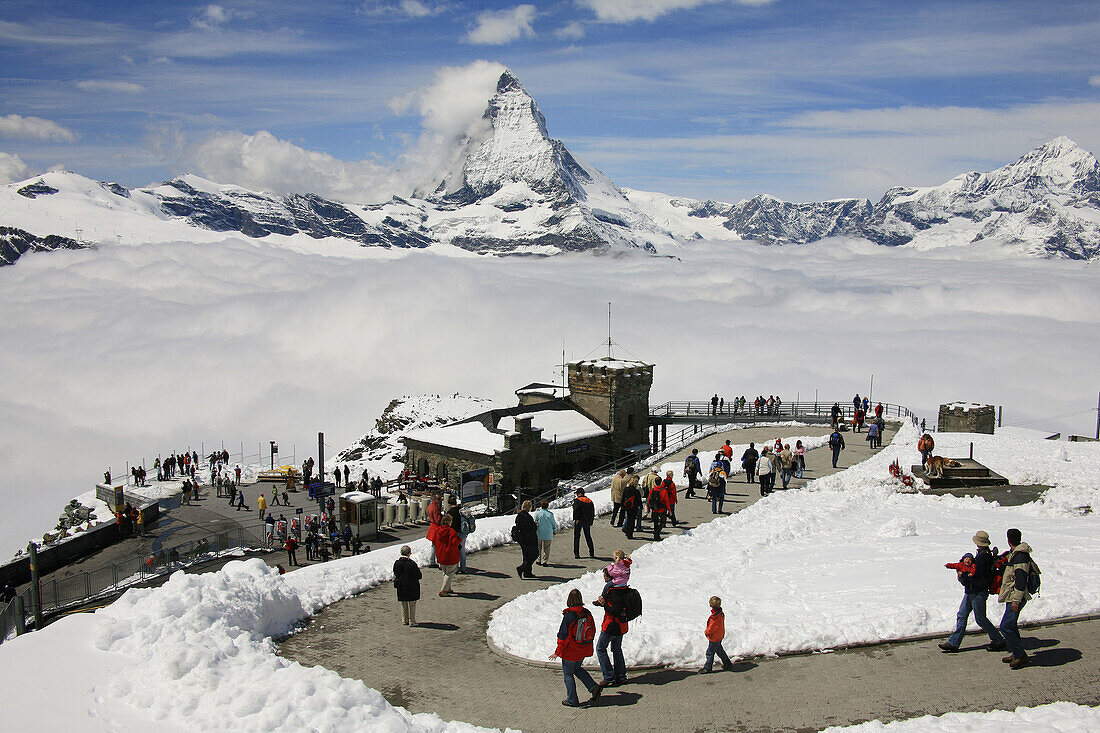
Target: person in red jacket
(445,541)
(669,487)
(658,507)
(291,546)
(576,622)
(716,631)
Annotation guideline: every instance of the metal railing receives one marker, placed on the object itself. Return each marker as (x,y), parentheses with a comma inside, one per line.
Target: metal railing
(260,458)
(785,410)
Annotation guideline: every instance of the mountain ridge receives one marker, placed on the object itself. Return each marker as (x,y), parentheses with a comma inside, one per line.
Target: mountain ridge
(514,190)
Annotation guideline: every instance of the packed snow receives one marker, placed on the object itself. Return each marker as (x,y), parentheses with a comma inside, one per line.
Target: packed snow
(1057,717)
(847,560)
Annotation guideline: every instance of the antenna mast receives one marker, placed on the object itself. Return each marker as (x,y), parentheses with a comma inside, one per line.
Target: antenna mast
(609,331)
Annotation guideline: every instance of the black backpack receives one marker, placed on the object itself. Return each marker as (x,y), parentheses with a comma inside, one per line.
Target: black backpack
(834,440)
(632,604)
(656,502)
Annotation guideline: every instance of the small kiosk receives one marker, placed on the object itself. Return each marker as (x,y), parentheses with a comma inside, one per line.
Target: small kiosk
(361,512)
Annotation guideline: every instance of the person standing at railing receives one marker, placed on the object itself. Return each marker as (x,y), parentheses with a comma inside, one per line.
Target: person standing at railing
(714,404)
(878,410)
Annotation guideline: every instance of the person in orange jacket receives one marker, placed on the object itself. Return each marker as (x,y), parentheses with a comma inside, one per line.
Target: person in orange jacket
(658,507)
(716,631)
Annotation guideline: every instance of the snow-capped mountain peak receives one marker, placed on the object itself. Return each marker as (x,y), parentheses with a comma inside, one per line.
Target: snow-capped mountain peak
(1060,165)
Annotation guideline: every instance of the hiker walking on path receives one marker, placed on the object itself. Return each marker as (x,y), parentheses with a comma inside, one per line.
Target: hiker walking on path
(632,504)
(618,482)
(716,484)
(836,444)
(612,629)
(445,540)
(1019,582)
(692,469)
(584,513)
(546,526)
(575,636)
(406,580)
(526,534)
(786,464)
(658,507)
(748,460)
(715,632)
(800,458)
(261,504)
(669,487)
(976,582)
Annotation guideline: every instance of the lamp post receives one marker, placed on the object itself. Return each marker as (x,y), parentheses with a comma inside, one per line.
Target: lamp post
(274,450)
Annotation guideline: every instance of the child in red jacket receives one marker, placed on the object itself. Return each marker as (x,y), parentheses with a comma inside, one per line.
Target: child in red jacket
(716,631)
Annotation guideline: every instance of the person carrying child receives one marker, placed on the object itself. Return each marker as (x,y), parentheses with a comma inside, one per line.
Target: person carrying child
(715,632)
(618,572)
(975,572)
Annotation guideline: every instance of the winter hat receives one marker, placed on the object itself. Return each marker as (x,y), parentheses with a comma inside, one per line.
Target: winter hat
(981,538)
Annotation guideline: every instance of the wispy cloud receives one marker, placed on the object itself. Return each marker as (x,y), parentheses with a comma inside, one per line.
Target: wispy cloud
(102,85)
(628,11)
(34,128)
(407,8)
(497,27)
(573,31)
(1094,81)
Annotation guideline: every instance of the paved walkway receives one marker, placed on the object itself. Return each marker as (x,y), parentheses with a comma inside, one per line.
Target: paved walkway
(445,666)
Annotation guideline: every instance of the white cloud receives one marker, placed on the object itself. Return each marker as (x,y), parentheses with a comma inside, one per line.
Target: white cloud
(452,109)
(34,128)
(572,31)
(263,161)
(211,16)
(100,85)
(12,168)
(627,11)
(496,27)
(1094,81)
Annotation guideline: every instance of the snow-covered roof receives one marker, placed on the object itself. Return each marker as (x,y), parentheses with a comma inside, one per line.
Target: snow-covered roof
(566,425)
(965,406)
(540,388)
(611,363)
(471,436)
(357,496)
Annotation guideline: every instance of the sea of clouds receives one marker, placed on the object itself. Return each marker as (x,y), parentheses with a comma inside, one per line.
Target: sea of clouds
(119,353)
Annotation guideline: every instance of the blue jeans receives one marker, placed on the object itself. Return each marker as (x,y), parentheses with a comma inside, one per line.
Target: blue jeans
(571,670)
(616,643)
(715,647)
(836,456)
(462,553)
(717,498)
(1011,631)
(786,474)
(974,602)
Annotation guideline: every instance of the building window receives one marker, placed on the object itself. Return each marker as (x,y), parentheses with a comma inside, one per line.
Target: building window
(630,422)
(441,470)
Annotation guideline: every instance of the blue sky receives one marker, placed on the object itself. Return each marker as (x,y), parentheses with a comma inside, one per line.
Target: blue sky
(712,99)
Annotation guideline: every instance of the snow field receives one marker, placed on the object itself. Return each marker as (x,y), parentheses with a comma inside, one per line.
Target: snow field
(1057,717)
(847,560)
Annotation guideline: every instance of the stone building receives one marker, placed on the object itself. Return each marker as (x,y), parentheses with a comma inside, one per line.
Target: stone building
(554,433)
(967,417)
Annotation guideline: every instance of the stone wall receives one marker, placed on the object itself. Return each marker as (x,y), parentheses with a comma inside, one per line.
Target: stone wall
(615,397)
(967,418)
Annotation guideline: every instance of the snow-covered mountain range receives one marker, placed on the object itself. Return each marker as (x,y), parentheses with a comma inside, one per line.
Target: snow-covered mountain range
(512,189)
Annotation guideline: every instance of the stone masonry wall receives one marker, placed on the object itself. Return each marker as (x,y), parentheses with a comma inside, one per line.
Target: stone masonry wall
(973,419)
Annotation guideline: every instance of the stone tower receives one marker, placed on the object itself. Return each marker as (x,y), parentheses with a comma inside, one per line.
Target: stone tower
(615,394)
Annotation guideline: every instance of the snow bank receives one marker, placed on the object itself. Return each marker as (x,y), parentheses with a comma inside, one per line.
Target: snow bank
(195,654)
(1057,717)
(847,560)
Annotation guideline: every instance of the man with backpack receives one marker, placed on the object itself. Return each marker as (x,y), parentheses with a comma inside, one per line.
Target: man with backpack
(716,484)
(748,460)
(1019,584)
(632,504)
(976,588)
(692,469)
(925,445)
(584,513)
(836,443)
(658,507)
(616,615)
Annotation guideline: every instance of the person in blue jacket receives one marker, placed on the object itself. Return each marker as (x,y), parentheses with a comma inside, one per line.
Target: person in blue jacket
(546,525)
